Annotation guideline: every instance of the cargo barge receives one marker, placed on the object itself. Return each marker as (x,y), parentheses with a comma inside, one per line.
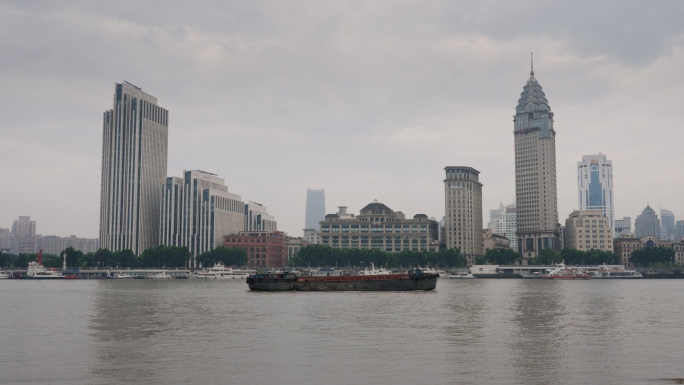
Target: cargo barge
(412,280)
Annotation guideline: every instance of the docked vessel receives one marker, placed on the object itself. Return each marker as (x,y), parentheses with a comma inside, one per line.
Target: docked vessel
(374,271)
(462,276)
(565,272)
(36,270)
(219,271)
(614,272)
(413,280)
(122,276)
(4,275)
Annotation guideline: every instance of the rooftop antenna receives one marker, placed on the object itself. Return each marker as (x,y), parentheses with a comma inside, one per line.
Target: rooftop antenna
(531,65)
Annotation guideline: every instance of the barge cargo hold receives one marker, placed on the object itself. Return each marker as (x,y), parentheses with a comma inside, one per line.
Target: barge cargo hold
(413,280)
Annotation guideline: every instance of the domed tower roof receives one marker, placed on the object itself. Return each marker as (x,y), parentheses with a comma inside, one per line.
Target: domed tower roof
(377,207)
(532,99)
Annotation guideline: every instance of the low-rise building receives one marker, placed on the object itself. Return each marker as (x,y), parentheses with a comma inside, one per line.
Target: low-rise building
(379,227)
(493,240)
(588,230)
(294,245)
(624,245)
(264,248)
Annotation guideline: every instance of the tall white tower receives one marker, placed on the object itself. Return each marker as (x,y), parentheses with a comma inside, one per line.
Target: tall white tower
(134,154)
(535,172)
(595,185)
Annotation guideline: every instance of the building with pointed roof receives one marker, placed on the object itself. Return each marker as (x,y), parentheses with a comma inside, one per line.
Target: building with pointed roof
(535,172)
(647,224)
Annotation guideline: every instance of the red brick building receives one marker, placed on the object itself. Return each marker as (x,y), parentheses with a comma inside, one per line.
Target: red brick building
(264,248)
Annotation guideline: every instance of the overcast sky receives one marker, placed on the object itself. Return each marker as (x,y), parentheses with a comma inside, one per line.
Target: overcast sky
(368,99)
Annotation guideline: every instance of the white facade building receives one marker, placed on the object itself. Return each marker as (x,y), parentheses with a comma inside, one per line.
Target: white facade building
(258,219)
(595,185)
(588,230)
(198,211)
(134,156)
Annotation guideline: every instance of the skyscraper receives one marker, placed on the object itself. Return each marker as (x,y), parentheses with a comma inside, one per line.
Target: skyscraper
(134,155)
(647,224)
(535,172)
(595,185)
(315,208)
(463,207)
(502,221)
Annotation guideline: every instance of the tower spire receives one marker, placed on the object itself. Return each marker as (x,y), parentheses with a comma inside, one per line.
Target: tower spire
(531,65)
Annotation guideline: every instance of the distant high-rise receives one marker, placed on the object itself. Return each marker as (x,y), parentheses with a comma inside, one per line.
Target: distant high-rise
(257,218)
(623,226)
(667,225)
(647,224)
(502,221)
(595,185)
(679,232)
(315,208)
(463,207)
(535,172)
(134,156)
(24,227)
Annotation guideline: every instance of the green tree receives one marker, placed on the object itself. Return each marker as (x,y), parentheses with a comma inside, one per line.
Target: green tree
(547,257)
(52,261)
(653,256)
(499,257)
(103,258)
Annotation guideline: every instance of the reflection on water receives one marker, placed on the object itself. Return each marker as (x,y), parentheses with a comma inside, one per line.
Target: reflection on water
(465,332)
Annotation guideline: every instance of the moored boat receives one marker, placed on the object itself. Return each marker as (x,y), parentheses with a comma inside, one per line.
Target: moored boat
(614,272)
(374,271)
(36,270)
(565,272)
(219,271)
(462,276)
(5,275)
(413,280)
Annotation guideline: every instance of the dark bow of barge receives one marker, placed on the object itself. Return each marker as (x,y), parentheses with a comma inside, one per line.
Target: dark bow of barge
(413,280)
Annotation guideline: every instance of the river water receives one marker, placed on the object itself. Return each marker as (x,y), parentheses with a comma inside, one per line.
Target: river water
(484,331)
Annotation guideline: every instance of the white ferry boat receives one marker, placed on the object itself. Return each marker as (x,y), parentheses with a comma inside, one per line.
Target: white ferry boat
(564,272)
(4,275)
(161,275)
(614,272)
(122,276)
(374,271)
(219,271)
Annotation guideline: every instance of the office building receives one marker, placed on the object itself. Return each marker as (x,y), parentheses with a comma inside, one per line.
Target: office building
(315,208)
(379,227)
(623,226)
(595,185)
(463,208)
(535,173)
(5,239)
(198,211)
(647,224)
(134,156)
(588,230)
(502,221)
(667,225)
(257,218)
(678,232)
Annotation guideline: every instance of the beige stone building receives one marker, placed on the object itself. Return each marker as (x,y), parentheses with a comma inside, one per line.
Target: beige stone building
(588,230)
(624,245)
(492,240)
(463,208)
(379,227)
